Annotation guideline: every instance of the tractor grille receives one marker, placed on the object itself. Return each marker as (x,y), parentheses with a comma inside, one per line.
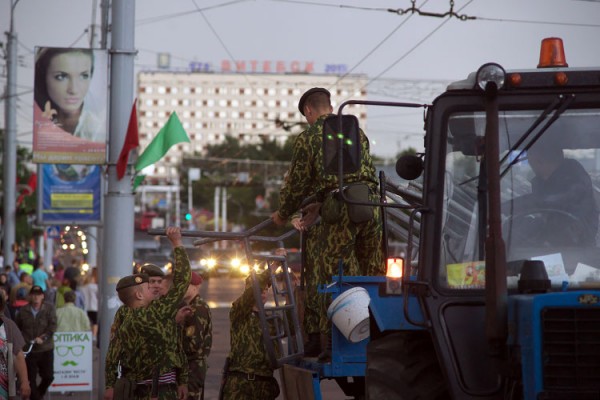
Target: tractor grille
(571,349)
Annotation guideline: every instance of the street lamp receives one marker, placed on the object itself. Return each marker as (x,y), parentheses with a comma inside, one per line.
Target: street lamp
(9,159)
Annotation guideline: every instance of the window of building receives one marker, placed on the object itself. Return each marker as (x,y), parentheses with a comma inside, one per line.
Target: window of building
(222,114)
(161,102)
(210,103)
(161,90)
(235,103)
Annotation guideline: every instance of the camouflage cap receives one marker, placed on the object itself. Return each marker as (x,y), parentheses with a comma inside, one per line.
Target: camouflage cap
(306,95)
(152,270)
(131,280)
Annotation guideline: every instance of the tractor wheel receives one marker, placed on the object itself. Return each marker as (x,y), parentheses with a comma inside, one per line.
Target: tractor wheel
(404,366)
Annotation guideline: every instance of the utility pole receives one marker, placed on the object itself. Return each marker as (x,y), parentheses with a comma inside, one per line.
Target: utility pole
(9,159)
(119,200)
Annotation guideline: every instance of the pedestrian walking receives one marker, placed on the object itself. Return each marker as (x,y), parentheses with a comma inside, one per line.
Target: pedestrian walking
(37,322)
(70,318)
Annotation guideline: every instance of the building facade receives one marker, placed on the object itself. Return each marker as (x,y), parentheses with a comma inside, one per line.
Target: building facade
(250,106)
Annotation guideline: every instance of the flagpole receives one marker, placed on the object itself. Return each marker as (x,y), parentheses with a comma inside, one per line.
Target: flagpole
(118,229)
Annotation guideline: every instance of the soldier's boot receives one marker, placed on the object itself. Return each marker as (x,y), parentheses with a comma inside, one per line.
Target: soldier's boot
(325,355)
(312,348)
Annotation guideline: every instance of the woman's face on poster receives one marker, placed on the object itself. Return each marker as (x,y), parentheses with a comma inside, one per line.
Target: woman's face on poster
(68,80)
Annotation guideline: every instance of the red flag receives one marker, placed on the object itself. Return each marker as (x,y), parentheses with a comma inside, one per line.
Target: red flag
(131,142)
(29,190)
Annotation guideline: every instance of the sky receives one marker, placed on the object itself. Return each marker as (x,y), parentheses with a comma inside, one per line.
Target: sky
(406,56)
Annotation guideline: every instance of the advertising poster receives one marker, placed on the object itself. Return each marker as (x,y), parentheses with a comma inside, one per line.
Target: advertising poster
(70,194)
(70,107)
(72,362)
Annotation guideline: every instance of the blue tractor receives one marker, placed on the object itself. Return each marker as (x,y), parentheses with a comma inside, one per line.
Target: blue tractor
(498,297)
(498,293)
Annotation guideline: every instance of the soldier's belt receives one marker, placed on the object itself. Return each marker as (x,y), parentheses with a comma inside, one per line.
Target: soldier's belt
(250,376)
(142,389)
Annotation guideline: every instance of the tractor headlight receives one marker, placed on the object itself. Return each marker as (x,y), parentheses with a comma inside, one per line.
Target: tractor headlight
(490,72)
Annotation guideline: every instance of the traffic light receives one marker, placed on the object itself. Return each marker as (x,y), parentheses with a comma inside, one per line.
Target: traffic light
(188,217)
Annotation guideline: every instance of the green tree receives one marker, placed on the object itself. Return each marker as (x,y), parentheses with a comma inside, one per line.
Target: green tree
(241,197)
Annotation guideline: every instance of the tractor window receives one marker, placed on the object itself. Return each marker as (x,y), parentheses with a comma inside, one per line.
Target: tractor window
(550,193)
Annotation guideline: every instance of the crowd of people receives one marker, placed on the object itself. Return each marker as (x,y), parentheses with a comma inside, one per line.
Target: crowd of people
(34,304)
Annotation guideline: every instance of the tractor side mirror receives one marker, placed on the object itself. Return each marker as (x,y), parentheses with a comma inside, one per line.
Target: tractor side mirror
(409,167)
(345,136)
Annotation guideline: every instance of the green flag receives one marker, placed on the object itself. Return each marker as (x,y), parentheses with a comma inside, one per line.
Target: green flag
(170,134)
(137,181)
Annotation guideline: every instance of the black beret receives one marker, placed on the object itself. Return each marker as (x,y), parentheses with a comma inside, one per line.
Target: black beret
(152,270)
(131,280)
(264,280)
(308,93)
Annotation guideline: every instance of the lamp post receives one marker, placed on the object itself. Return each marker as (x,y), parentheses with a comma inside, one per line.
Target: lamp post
(9,159)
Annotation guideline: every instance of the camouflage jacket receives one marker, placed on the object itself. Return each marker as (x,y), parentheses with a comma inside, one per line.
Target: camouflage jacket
(149,337)
(248,353)
(197,330)
(111,364)
(306,175)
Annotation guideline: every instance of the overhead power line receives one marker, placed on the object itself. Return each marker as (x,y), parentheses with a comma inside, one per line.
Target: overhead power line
(161,18)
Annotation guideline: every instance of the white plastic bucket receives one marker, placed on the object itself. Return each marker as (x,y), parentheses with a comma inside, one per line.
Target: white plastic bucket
(350,314)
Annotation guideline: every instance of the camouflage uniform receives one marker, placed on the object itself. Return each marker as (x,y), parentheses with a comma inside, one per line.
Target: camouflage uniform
(111,363)
(311,301)
(358,245)
(250,371)
(149,337)
(197,341)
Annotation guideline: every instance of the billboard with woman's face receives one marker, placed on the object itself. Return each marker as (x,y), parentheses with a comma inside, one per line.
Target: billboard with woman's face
(70,107)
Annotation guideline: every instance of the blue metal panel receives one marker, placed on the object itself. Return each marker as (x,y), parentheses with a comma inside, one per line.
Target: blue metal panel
(525,330)
(387,310)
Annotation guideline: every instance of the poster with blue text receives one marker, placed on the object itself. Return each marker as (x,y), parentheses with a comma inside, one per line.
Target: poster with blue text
(71,194)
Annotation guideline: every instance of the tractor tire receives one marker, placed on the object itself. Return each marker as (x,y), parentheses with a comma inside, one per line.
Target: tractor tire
(404,366)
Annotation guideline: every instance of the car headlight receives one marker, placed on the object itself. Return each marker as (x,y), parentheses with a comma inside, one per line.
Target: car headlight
(236,263)
(211,263)
(490,72)
(245,269)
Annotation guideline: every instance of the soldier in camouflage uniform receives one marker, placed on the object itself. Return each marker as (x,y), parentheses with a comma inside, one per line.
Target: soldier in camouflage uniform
(359,246)
(197,338)
(250,374)
(304,223)
(148,342)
